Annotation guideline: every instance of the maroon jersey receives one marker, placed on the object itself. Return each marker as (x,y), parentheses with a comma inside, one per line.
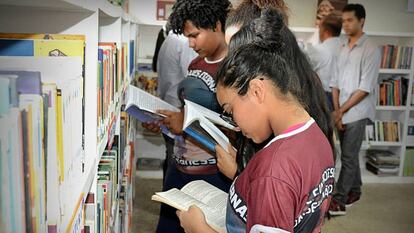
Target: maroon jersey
(191,156)
(287,185)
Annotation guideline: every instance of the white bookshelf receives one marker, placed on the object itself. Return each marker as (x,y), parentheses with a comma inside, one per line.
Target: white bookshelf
(384,113)
(99,21)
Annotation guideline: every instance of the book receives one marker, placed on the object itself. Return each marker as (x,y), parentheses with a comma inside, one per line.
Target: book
(199,123)
(211,200)
(143,106)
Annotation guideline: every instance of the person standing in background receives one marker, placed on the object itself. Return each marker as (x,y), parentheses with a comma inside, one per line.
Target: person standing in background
(173,59)
(353,92)
(323,57)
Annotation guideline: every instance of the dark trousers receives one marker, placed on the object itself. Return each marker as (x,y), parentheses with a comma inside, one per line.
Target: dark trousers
(169,150)
(329,100)
(350,174)
(168,221)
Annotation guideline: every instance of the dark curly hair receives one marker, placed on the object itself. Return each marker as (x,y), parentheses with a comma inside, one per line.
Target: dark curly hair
(202,13)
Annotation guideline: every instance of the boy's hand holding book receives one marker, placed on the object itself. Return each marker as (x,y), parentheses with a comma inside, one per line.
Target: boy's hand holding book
(153,127)
(173,120)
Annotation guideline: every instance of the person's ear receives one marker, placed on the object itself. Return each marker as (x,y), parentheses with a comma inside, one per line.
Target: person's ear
(257,89)
(362,22)
(218,27)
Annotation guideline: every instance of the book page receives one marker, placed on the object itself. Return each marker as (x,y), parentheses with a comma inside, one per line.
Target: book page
(146,101)
(207,194)
(211,200)
(195,110)
(176,199)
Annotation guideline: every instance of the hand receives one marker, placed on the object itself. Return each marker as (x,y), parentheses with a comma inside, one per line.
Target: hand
(226,162)
(337,115)
(152,126)
(193,220)
(173,120)
(339,125)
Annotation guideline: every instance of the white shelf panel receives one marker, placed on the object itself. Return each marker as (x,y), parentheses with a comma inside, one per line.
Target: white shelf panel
(108,9)
(391,108)
(369,33)
(374,143)
(102,144)
(145,60)
(394,71)
(303,29)
(64,5)
(390,34)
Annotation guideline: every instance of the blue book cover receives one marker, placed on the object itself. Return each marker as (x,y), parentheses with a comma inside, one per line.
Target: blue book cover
(131,56)
(10,47)
(202,138)
(147,117)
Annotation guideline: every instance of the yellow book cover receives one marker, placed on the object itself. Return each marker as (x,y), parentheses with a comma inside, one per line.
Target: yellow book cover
(59,48)
(59,133)
(34,206)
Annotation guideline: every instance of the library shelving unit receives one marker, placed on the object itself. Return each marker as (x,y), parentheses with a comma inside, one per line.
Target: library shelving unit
(386,112)
(98,21)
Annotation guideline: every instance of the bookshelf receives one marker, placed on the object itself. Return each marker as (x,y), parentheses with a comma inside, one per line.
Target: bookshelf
(400,112)
(97,21)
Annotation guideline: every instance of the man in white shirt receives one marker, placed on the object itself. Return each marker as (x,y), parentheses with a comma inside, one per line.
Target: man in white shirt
(173,59)
(353,91)
(323,57)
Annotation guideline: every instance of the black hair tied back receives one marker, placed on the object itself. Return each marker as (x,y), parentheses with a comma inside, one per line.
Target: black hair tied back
(267,31)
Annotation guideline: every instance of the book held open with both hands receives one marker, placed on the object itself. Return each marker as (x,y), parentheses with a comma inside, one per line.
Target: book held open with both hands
(211,200)
(199,123)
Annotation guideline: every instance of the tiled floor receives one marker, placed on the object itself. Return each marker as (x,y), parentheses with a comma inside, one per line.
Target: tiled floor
(383,208)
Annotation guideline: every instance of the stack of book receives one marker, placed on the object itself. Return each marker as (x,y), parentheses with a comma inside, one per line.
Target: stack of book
(382,162)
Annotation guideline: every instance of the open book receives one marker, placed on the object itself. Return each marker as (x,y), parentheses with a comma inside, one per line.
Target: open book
(199,123)
(143,106)
(211,200)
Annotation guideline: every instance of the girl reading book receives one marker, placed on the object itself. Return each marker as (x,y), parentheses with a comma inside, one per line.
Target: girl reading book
(286,186)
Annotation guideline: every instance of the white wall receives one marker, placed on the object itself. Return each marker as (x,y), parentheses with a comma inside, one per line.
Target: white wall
(145,10)
(382,15)
(147,38)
